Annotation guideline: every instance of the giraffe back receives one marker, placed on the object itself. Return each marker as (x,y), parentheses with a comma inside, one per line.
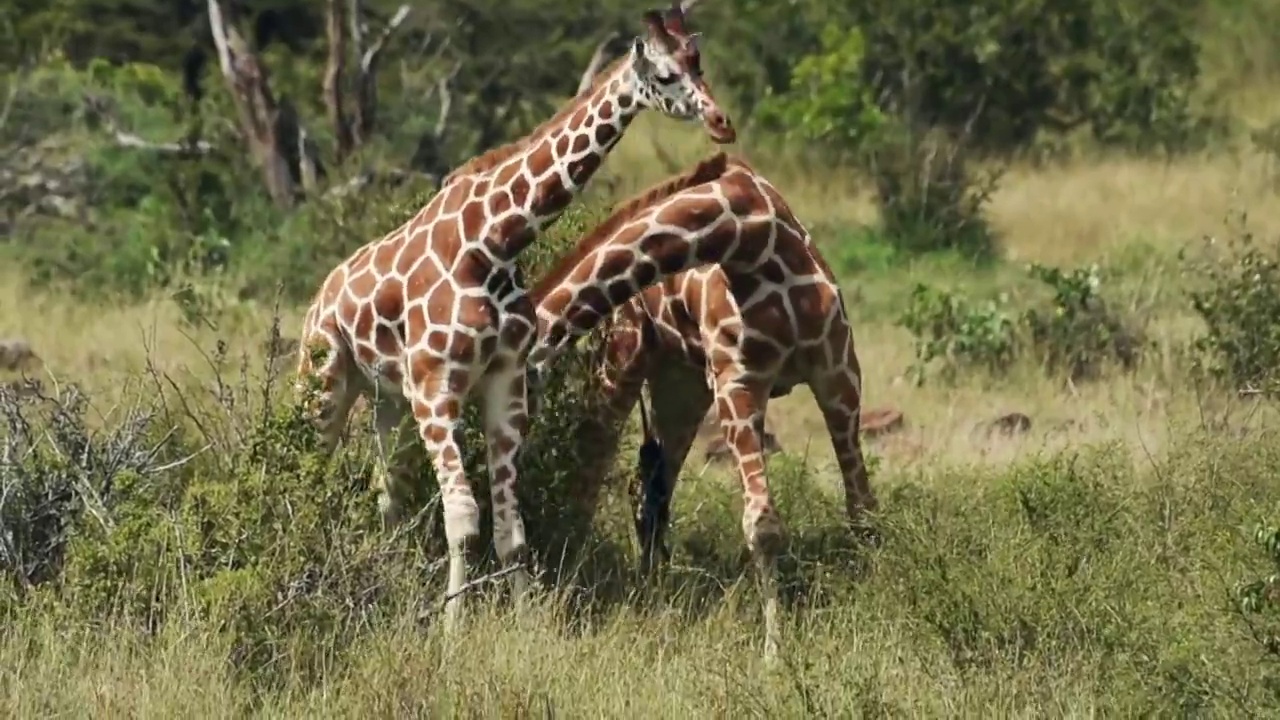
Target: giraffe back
(785,319)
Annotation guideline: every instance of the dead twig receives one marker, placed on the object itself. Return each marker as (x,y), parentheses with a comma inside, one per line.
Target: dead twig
(471,585)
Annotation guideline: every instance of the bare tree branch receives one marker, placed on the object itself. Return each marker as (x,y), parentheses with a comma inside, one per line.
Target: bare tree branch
(385,178)
(251,90)
(334,74)
(366,110)
(598,60)
(308,161)
(8,102)
(429,157)
(218,28)
(357,27)
(446,100)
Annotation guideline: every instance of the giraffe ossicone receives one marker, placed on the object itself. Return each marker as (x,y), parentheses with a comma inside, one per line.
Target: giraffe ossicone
(419,320)
(768,316)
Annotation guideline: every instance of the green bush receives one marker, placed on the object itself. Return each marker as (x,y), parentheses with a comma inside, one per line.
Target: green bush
(1258,600)
(1078,333)
(960,333)
(1236,293)
(1075,332)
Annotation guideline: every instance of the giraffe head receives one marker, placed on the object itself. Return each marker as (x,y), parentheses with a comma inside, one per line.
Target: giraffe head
(667,74)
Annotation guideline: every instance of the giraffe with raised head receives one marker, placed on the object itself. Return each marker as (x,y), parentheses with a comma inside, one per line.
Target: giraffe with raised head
(419,319)
(734,334)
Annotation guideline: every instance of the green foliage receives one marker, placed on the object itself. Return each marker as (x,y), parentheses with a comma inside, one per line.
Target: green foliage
(1237,294)
(1259,600)
(826,101)
(960,333)
(863,249)
(1010,70)
(1075,332)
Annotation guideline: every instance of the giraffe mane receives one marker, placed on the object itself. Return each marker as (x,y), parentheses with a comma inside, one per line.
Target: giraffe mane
(495,156)
(710,168)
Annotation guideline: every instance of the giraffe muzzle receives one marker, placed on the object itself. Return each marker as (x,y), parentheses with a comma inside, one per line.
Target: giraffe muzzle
(719,127)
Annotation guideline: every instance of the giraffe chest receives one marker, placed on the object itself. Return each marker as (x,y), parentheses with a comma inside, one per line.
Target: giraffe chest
(468,323)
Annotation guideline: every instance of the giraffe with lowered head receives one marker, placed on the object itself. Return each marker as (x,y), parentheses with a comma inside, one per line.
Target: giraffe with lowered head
(767,317)
(419,319)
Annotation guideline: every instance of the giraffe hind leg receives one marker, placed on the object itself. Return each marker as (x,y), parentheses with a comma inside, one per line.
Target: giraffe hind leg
(839,396)
(741,408)
(436,390)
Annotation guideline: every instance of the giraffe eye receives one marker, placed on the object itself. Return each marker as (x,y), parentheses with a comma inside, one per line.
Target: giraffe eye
(666,79)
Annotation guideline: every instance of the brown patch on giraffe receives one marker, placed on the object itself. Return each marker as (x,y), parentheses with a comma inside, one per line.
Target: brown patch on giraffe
(455,196)
(605,134)
(417,282)
(363,324)
(385,255)
(579,116)
(604,112)
(511,236)
(389,300)
(438,341)
(584,167)
(361,285)
(499,202)
(520,189)
(415,322)
(771,272)
(617,293)
(387,340)
(581,143)
(562,145)
(506,174)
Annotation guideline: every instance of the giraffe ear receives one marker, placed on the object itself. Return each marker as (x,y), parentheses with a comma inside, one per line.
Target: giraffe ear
(673,19)
(657,26)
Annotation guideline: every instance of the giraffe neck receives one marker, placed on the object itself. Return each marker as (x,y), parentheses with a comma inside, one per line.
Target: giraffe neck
(575,298)
(562,157)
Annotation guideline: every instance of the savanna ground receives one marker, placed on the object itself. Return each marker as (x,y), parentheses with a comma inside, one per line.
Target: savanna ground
(1090,565)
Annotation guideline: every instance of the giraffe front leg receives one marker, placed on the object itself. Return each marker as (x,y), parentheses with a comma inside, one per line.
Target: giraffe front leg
(437,409)
(505,420)
(741,409)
